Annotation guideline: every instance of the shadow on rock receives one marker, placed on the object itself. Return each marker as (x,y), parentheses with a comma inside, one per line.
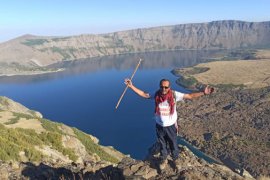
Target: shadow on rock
(43,171)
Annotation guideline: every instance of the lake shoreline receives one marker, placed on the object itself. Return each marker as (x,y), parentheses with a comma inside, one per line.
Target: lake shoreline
(27,73)
(198,152)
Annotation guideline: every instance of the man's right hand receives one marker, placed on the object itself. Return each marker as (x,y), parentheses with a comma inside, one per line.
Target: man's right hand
(136,90)
(128,82)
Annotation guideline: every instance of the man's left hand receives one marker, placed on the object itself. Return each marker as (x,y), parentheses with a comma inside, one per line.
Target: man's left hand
(208,90)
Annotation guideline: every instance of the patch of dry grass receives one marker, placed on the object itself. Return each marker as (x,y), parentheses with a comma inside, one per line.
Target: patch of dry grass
(7,116)
(263,54)
(251,73)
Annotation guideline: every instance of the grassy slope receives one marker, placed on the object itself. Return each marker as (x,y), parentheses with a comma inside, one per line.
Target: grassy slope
(13,141)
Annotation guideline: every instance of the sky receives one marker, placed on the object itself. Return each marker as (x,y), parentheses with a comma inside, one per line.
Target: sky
(75,17)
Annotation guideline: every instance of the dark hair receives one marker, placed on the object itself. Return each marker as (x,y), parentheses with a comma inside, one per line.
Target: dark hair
(162,80)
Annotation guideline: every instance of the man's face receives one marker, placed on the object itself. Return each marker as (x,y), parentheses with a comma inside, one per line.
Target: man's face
(164,87)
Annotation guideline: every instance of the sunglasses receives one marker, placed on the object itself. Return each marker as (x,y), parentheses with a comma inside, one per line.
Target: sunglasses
(164,87)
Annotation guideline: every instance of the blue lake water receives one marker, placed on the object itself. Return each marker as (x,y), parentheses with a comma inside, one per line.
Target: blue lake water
(84,96)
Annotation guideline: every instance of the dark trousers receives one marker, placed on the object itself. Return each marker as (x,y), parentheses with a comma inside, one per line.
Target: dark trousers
(167,136)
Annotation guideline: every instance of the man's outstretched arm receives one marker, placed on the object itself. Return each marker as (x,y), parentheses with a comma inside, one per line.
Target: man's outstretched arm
(136,90)
(206,91)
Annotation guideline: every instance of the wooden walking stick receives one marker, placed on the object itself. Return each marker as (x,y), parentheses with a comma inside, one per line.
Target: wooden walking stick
(127,85)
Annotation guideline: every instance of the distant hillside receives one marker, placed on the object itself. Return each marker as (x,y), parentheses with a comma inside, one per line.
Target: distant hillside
(28,53)
(251,70)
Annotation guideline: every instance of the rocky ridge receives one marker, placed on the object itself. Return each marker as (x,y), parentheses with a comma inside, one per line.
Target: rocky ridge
(29,53)
(72,159)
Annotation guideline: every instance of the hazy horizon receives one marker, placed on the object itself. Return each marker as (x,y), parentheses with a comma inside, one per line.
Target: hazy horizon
(68,18)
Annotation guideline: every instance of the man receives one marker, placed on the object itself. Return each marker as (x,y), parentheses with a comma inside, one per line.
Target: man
(166,115)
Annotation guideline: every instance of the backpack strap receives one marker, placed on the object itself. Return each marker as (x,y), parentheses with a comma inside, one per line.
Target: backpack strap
(176,124)
(174,96)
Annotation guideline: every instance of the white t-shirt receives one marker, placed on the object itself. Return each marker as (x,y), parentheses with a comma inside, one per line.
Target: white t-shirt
(165,118)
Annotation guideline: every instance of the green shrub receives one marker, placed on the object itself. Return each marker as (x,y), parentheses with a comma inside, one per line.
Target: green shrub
(50,126)
(60,39)
(22,115)
(71,154)
(187,82)
(34,42)
(11,144)
(32,154)
(93,148)
(17,118)
(226,87)
(12,121)
(3,154)
(4,101)
(9,150)
(63,52)
(30,136)
(54,139)
(33,113)
(197,70)
(12,141)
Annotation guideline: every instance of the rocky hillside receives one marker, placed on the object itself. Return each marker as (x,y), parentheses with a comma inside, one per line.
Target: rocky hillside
(36,148)
(29,53)
(232,126)
(26,137)
(233,123)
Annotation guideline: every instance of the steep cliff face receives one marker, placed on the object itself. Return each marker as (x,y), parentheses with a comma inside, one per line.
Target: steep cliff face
(39,51)
(213,35)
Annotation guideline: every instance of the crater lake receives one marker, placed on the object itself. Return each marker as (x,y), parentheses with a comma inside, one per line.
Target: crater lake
(85,95)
